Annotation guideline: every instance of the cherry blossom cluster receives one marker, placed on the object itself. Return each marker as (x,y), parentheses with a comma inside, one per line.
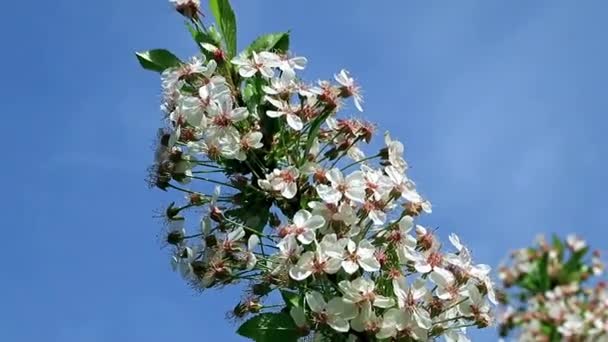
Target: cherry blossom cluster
(279,194)
(549,299)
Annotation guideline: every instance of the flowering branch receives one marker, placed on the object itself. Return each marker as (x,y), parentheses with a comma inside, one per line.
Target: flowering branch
(546,297)
(341,249)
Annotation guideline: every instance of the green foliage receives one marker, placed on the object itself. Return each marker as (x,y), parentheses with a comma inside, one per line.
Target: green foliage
(314,132)
(243,214)
(276,42)
(200,36)
(270,327)
(226,21)
(291,299)
(157,60)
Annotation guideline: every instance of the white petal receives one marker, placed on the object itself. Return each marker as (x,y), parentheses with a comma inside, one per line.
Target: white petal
(315,301)
(455,240)
(423,267)
(350,266)
(335,176)
(383,302)
(247,71)
(239,114)
(299,273)
(356,194)
(236,234)
(300,218)
(294,121)
(442,277)
(338,324)
(266,72)
(332,265)
(328,194)
(274,114)
(307,237)
(406,224)
(253,242)
(315,222)
(369,264)
(289,191)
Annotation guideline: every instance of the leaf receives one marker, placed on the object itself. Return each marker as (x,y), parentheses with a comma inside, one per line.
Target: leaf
(544,282)
(292,299)
(313,132)
(226,21)
(253,214)
(270,327)
(198,35)
(559,246)
(157,60)
(572,269)
(278,42)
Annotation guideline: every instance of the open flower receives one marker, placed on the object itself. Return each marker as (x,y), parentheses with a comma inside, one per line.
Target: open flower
(350,88)
(353,187)
(251,259)
(336,313)
(304,226)
(258,63)
(317,262)
(285,109)
(366,320)
(359,255)
(407,300)
(284,181)
(361,291)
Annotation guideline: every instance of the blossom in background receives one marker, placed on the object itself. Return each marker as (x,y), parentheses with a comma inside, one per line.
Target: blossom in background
(552,300)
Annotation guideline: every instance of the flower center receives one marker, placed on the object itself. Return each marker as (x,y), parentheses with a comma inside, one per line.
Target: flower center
(435,259)
(222,120)
(287,177)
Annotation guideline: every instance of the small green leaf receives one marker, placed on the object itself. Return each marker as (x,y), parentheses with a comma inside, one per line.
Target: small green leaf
(278,42)
(253,214)
(226,21)
(572,269)
(157,60)
(559,246)
(544,282)
(198,35)
(313,132)
(270,327)
(292,299)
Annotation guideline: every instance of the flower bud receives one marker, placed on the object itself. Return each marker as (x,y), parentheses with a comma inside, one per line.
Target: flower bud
(175,237)
(188,8)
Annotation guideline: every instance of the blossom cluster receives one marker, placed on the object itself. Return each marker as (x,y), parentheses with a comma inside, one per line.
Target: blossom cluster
(552,302)
(284,198)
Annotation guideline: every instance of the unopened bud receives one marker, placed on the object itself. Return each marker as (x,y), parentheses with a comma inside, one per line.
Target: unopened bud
(175,237)
(188,8)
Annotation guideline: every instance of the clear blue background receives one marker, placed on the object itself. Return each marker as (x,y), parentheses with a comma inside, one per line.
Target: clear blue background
(502,107)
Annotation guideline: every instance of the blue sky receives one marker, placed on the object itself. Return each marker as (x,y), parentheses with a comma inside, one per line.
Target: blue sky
(501,106)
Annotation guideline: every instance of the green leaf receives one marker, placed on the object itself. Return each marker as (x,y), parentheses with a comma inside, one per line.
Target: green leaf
(572,269)
(253,214)
(559,246)
(226,21)
(198,35)
(292,299)
(270,327)
(313,132)
(278,42)
(157,60)
(544,282)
